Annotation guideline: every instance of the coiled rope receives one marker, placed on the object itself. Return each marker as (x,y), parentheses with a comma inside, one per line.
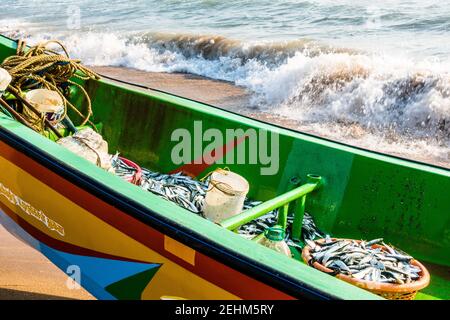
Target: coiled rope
(41,67)
(222,186)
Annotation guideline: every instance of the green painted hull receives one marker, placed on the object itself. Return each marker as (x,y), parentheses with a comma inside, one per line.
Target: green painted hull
(365,194)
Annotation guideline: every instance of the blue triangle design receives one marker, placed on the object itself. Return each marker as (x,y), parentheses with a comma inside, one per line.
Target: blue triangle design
(96,273)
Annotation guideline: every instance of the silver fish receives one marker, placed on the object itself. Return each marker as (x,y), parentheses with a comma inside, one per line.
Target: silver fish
(363,262)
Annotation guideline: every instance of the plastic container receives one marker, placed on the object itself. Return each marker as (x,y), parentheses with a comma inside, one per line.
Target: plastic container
(47,102)
(274,239)
(5,80)
(225,196)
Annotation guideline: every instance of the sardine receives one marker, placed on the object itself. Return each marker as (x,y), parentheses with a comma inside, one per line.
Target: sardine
(363,262)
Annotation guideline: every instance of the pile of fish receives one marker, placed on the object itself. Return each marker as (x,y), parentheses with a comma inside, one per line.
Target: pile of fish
(190,194)
(309,229)
(121,169)
(179,188)
(257,226)
(362,261)
(356,259)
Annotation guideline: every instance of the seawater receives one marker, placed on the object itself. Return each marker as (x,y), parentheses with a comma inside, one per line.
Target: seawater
(380,67)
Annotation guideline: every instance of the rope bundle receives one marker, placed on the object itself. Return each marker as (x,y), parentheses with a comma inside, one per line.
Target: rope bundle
(222,186)
(41,67)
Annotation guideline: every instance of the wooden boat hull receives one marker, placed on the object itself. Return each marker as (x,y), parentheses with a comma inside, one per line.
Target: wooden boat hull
(130,244)
(119,256)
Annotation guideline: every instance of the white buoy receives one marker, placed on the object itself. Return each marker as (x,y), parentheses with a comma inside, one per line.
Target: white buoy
(5,80)
(47,102)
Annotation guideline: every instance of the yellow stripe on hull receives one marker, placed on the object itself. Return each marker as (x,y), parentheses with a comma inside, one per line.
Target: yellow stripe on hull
(83,229)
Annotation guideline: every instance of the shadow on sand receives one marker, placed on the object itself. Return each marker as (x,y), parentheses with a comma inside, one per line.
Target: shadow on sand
(11,294)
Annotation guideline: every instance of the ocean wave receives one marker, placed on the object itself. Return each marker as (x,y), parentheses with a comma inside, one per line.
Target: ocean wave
(381,93)
(393,97)
(212,47)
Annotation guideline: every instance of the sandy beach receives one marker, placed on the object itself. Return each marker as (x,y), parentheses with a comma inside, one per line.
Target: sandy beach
(26,274)
(219,93)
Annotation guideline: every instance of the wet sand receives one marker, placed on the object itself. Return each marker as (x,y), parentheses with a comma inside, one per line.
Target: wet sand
(219,93)
(26,274)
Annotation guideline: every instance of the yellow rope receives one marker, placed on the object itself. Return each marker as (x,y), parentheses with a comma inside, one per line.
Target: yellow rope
(40,67)
(36,122)
(223,170)
(222,186)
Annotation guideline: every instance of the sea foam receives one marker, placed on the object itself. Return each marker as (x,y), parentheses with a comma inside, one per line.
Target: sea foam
(395,99)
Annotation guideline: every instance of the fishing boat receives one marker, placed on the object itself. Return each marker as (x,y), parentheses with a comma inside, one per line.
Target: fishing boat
(128,243)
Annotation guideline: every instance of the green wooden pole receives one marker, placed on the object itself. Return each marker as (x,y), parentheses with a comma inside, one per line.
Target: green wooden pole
(282,216)
(248,215)
(298,219)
